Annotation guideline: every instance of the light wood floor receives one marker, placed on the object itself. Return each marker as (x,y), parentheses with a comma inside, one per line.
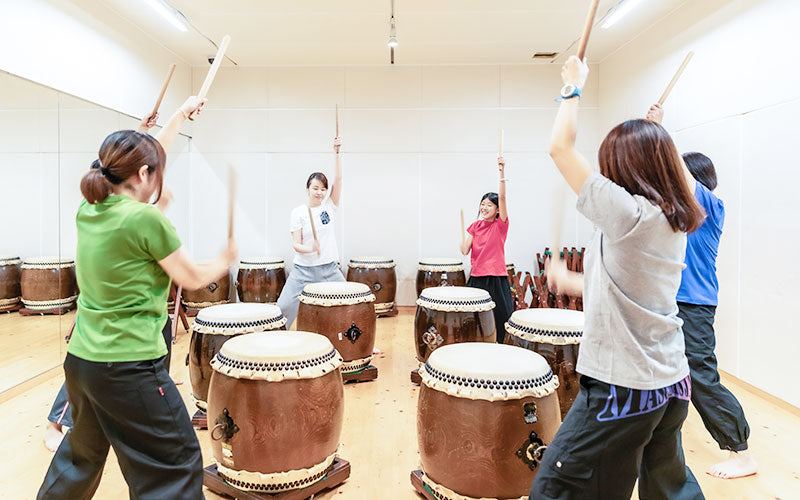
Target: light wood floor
(379,435)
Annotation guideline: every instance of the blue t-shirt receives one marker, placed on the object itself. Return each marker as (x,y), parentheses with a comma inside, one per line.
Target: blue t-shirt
(699,283)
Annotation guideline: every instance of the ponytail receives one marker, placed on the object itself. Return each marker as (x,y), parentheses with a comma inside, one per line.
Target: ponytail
(94,185)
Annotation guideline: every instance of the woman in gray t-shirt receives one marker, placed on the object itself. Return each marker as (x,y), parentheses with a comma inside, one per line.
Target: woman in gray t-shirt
(635,388)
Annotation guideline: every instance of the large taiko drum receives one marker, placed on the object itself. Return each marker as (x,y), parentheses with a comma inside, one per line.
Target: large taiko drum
(215,293)
(48,283)
(485,416)
(10,293)
(343,312)
(214,326)
(378,274)
(556,335)
(260,280)
(453,314)
(275,410)
(438,271)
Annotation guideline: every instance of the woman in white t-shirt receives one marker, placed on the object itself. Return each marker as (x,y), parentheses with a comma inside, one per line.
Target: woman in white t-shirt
(314,260)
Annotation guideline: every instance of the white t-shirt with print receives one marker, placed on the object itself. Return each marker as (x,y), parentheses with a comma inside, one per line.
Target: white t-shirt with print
(324,218)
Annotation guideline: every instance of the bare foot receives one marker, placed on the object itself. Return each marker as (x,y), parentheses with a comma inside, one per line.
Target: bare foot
(52,436)
(739,464)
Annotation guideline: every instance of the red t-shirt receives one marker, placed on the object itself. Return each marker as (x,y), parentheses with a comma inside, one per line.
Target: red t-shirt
(488,247)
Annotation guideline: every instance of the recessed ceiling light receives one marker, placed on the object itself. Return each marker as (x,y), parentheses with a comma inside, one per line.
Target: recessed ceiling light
(169,13)
(619,12)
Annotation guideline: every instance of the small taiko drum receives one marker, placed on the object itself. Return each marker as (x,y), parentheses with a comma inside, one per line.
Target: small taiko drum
(48,283)
(260,280)
(343,312)
(215,293)
(435,271)
(453,314)
(214,326)
(275,410)
(378,274)
(511,271)
(556,335)
(485,416)
(10,293)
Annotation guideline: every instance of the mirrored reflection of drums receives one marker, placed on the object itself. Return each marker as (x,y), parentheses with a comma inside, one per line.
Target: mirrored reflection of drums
(275,410)
(378,274)
(555,334)
(260,280)
(214,326)
(343,312)
(449,315)
(48,283)
(10,292)
(213,294)
(485,416)
(438,271)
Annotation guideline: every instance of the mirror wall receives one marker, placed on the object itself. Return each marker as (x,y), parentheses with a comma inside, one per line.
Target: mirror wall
(47,142)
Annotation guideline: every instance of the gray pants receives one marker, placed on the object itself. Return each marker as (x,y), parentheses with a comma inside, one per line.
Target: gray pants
(300,277)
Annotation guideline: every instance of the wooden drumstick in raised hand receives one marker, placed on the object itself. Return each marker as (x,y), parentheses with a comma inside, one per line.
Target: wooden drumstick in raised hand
(231,198)
(212,72)
(164,88)
(337,120)
(587,29)
(676,77)
(313,227)
(463,231)
(500,153)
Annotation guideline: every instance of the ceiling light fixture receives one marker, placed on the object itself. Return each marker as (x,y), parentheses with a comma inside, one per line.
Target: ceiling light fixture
(169,13)
(619,12)
(393,36)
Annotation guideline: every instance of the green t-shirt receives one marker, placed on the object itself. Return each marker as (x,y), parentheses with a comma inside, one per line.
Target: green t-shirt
(122,306)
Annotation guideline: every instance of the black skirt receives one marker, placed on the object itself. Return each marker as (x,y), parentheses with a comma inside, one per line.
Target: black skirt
(500,292)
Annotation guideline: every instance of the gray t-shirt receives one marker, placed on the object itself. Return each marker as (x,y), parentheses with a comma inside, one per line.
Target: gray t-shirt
(632,336)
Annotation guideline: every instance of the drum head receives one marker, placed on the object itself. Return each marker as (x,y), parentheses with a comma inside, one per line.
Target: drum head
(494,372)
(47,263)
(261,263)
(551,326)
(372,262)
(336,293)
(243,317)
(441,264)
(10,260)
(276,356)
(456,298)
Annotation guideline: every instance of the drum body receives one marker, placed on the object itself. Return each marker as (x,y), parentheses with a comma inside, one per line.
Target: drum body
(450,315)
(436,271)
(485,416)
(555,334)
(345,314)
(48,283)
(275,410)
(213,294)
(512,272)
(260,281)
(10,292)
(379,275)
(214,326)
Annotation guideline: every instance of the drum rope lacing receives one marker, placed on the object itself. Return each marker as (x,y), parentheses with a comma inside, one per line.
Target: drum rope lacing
(238,324)
(336,296)
(372,263)
(508,385)
(443,493)
(275,366)
(46,264)
(541,331)
(10,261)
(456,302)
(278,481)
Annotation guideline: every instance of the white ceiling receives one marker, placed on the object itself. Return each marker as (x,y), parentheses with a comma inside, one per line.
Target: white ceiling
(354,32)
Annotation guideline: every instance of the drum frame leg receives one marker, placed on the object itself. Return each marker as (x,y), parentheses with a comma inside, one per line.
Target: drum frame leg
(191,312)
(200,420)
(391,313)
(337,474)
(419,485)
(11,309)
(58,311)
(365,375)
(415,376)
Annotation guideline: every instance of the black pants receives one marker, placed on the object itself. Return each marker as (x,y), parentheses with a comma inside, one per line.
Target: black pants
(500,292)
(610,436)
(721,412)
(61,412)
(136,408)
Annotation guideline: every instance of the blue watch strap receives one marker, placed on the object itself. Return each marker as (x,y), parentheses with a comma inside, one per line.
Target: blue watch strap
(575,93)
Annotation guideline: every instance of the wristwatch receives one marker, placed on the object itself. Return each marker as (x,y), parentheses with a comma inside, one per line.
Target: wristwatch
(569,91)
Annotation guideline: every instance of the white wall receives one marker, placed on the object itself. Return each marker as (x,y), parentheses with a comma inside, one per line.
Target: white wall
(420,143)
(738,103)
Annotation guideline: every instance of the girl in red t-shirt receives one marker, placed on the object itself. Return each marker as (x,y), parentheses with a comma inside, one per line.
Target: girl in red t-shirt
(486,239)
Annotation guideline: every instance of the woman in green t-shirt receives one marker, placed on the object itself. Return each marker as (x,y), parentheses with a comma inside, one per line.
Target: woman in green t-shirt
(120,393)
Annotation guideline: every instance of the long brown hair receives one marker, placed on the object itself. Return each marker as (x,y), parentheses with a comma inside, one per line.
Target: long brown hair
(639,155)
(121,156)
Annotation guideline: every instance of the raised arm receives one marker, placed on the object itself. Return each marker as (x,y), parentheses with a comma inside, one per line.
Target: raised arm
(572,165)
(299,247)
(501,191)
(170,131)
(185,272)
(656,114)
(147,123)
(561,280)
(336,188)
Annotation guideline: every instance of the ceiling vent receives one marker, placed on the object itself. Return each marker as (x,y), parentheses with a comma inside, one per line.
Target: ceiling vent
(544,55)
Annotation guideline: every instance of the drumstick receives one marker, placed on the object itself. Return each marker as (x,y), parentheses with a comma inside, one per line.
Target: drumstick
(164,88)
(337,120)
(463,232)
(587,29)
(212,72)
(676,77)
(313,227)
(231,198)
(558,221)
(502,133)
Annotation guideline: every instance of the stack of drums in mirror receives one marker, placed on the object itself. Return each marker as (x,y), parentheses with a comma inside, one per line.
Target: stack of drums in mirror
(10,293)
(48,283)
(556,335)
(215,293)
(344,312)
(485,416)
(260,280)
(449,315)
(214,326)
(275,410)
(378,274)
(440,271)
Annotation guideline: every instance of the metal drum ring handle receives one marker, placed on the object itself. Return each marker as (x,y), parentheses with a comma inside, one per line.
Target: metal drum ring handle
(218,427)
